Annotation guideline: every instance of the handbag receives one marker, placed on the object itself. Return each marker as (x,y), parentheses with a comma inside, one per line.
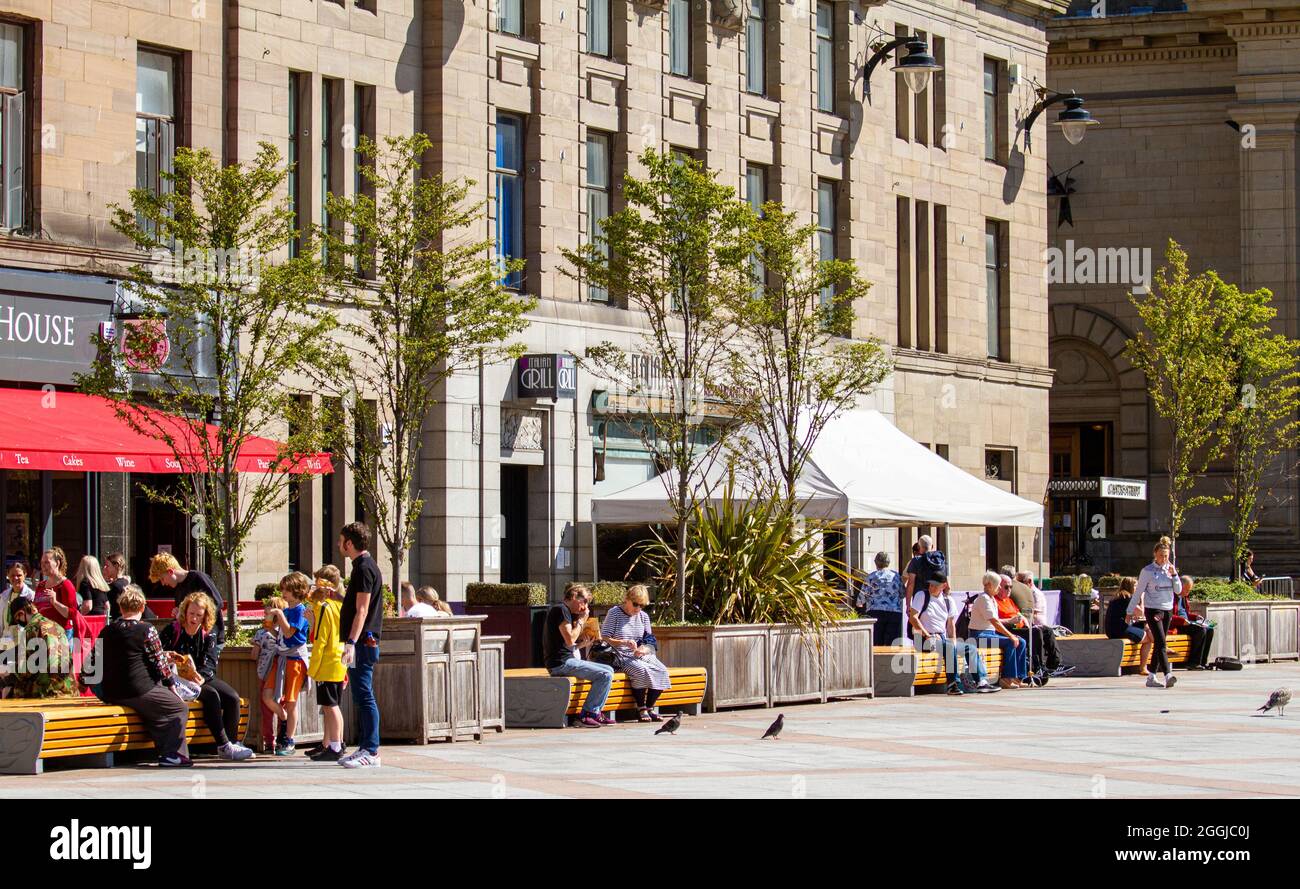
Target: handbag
(187,690)
(603,653)
(1227,663)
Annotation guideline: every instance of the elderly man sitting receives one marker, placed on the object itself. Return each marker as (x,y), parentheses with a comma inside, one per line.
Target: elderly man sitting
(933,615)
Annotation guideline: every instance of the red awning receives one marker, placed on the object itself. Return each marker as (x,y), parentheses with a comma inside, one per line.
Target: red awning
(82,433)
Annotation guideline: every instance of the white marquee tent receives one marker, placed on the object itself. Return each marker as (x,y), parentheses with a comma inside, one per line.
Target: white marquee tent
(862,471)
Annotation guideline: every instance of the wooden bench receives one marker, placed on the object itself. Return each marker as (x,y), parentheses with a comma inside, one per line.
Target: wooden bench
(536,699)
(1093,655)
(901,671)
(32,731)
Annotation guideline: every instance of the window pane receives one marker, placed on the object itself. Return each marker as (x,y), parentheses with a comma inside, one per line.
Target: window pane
(598,161)
(11,56)
(756,186)
(598,27)
(679,37)
(825,57)
(510,16)
(826,229)
(510,208)
(990,109)
(154,90)
(756,54)
(508,142)
(992,288)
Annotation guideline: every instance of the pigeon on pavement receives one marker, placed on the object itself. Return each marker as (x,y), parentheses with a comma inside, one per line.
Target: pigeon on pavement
(774,730)
(1278,699)
(671,726)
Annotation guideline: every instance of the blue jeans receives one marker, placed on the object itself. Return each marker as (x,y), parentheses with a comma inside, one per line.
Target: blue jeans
(599,675)
(948,650)
(1015,658)
(361,676)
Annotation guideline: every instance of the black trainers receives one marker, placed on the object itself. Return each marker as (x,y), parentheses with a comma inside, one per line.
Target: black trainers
(325,754)
(174,761)
(954,688)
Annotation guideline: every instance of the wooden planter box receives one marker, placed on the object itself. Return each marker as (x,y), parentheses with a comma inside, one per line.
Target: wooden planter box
(1265,630)
(428,681)
(238,668)
(770,664)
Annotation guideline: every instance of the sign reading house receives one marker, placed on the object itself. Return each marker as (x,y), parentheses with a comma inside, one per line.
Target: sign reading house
(546,376)
(48,322)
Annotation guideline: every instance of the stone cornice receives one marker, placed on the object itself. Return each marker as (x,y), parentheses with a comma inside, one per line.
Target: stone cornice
(1065,56)
(1036,9)
(915,361)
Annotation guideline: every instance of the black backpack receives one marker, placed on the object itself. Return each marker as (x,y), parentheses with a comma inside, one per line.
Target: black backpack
(1227,663)
(963,619)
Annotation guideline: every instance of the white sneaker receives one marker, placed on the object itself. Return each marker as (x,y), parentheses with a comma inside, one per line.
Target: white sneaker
(234,752)
(1153,682)
(349,757)
(1170,680)
(362,759)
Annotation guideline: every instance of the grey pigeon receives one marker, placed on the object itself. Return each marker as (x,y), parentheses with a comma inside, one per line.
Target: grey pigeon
(774,730)
(1278,699)
(671,726)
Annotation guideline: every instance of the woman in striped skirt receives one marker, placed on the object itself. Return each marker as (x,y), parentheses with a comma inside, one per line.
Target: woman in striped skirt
(627,630)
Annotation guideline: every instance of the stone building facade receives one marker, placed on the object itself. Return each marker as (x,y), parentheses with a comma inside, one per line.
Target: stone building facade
(945,215)
(1199,106)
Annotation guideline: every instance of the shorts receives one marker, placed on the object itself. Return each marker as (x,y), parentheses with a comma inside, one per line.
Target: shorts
(329,694)
(295,676)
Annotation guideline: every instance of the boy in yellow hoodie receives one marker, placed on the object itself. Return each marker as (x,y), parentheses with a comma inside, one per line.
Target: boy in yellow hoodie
(326,667)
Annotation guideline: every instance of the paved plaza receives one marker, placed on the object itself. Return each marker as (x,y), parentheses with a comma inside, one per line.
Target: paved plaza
(1076,738)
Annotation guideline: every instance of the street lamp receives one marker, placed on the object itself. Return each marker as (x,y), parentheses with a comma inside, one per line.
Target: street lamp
(1073,120)
(916,67)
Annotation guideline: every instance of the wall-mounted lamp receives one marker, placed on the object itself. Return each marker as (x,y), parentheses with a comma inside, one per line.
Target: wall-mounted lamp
(916,67)
(1073,120)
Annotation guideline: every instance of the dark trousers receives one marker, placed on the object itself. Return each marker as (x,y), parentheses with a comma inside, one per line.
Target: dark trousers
(220,705)
(1201,640)
(163,715)
(1158,624)
(1044,654)
(361,678)
(888,628)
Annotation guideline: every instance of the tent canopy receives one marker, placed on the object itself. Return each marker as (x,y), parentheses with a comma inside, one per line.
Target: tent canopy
(82,433)
(861,469)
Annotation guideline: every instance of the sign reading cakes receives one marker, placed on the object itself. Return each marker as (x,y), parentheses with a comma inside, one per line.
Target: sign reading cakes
(546,376)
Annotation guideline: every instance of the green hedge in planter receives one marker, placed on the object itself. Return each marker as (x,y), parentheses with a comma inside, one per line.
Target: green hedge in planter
(1108,581)
(1073,584)
(265,591)
(506,594)
(1217,590)
(613,592)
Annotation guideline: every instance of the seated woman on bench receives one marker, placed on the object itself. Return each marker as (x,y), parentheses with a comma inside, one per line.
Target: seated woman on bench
(627,631)
(1117,625)
(42,661)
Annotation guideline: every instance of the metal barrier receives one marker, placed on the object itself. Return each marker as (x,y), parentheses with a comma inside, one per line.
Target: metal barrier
(1278,587)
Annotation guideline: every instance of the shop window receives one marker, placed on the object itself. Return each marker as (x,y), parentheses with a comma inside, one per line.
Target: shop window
(156,122)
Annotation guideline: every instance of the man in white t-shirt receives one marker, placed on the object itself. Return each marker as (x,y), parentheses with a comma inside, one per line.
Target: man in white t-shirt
(933,615)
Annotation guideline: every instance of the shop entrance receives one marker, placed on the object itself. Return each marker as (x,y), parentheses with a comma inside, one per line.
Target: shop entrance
(44,509)
(157,527)
(514,508)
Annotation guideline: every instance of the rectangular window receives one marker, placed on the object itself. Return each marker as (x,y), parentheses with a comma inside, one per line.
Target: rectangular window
(363,112)
(155,122)
(331,100)
(598,185)
(14,127)
(510,194)
(598,27)
(921,240)
(903,254)
(826,219)
(756,49)
(995,290)
(328,528)
(940,278)
(921,102)
(756,195)
(679,37)
(299,101)
(363,425)
(938,92)
(994,122)
(826,57)
(510,17)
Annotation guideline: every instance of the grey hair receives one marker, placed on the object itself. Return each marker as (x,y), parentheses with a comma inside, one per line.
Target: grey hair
(1187,580)
(992,577)
(882,559)
(926,541)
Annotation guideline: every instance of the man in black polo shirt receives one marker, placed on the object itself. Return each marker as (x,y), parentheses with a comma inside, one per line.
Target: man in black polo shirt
(165,570)
(360,622)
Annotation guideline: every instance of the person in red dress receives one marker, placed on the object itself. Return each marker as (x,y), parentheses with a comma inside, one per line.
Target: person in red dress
(56,599)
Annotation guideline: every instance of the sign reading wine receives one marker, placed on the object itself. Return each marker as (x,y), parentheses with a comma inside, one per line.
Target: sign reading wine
(546,376)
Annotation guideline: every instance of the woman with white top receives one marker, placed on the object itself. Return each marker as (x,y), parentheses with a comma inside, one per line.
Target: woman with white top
(987,629)
(1154,597)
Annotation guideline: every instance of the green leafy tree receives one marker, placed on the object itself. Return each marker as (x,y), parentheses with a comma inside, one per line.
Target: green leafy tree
(1262,421)
(430,303)
(791,369)
(1190,374)
(678,256)
(240,324)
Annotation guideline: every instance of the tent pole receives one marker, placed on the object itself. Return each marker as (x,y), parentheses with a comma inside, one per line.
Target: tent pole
(848,559)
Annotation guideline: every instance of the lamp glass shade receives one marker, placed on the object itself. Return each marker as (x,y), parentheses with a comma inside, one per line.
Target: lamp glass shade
(917,79)
(1073,130)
